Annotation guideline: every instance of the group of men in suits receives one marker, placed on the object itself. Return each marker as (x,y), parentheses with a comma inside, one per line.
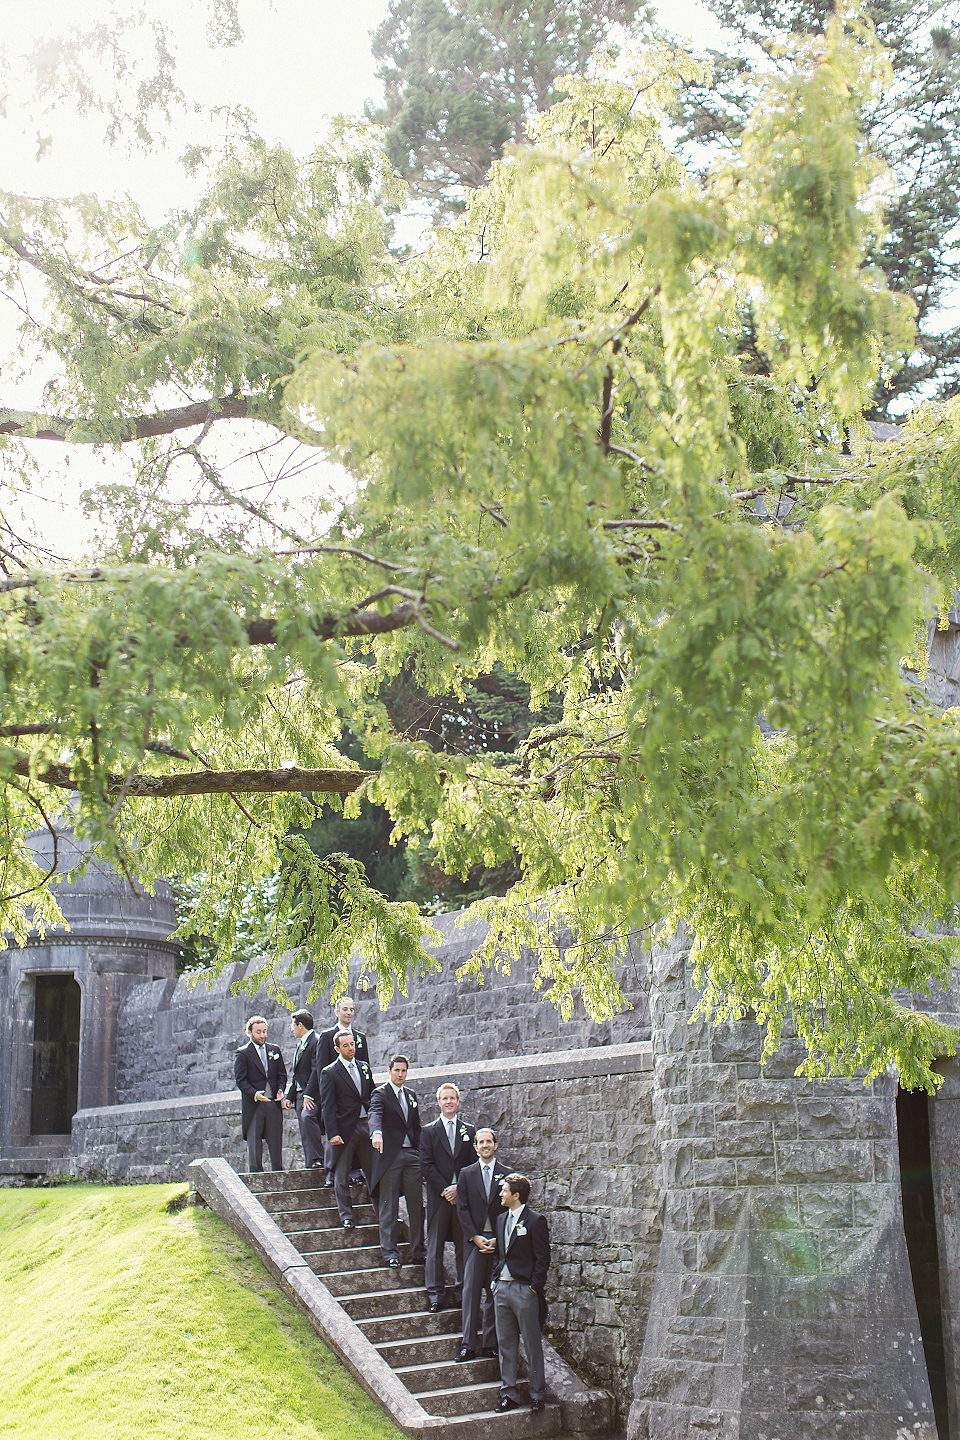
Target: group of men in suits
(354,1130)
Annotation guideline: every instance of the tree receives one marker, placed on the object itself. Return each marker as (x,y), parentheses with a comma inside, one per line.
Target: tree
(913,126)
(462,80)
(563,465)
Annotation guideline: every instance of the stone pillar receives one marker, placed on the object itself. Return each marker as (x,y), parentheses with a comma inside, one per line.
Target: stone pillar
(782,1305)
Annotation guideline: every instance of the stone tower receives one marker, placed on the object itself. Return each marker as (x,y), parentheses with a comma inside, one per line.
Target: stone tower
(59,1000)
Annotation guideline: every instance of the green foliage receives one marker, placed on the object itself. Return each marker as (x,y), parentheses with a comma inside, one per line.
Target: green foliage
(122,1284)
(605,443)
(462,80)
(911,126)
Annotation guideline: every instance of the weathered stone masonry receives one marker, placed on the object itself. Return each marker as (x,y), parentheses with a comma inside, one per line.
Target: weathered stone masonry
(580,1123)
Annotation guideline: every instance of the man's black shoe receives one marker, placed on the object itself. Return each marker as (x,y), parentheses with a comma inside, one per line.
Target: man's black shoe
(349,1224)
(506,1404)
(489,1352)
(435,1307)
(536,1404)
(466,1354)
(393,1262)
(357,1178)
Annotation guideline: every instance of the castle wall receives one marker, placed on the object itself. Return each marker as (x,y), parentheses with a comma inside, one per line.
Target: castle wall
(179,1038)
(579,1123)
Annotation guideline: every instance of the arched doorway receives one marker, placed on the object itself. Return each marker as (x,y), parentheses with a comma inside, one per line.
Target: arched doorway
(56,1054)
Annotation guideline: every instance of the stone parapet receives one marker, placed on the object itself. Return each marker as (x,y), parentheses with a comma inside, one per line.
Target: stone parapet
(179,1037)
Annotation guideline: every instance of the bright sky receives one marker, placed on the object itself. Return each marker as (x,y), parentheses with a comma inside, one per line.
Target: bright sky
(300,62)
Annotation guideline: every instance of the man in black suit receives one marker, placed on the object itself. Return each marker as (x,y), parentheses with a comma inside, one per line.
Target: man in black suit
(345,1090)
(325,1054)
(520,1266)
(446,1148)
(311,1135)
(395,1134)
(261,1075)
(478,1206)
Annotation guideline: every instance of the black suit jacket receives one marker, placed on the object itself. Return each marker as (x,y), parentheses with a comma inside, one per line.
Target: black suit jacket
(387,1117)
(472,1205)
(438,1166)
(302,1067)
(528,1256)
(249,1077)
(325,1054)
(341,1102)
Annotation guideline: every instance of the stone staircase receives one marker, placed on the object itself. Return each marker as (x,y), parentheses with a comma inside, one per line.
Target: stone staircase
(392,1310)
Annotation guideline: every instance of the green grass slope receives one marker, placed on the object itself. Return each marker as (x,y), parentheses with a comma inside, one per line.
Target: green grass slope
(123,1320)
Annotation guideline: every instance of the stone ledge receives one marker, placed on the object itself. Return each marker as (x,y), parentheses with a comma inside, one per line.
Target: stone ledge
(606,1060)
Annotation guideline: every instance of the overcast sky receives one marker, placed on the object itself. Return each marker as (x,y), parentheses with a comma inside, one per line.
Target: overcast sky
(300,62)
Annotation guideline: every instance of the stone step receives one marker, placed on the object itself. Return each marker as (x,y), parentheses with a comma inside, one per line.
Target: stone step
(384,1302)
(464,1399)
(378,1277)
(514,1425)
(283,1202)
(422,1350)
(413,1325)
(335,1262)
(266,1181)
(447,1375)
(334,1238)
(321,1217)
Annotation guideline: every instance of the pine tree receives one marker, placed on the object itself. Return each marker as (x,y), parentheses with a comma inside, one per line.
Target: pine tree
(913,126)
(462,79)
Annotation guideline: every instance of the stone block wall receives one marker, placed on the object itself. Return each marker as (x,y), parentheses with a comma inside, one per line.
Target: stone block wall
(179,1038)
(578,1123)
(783,1304)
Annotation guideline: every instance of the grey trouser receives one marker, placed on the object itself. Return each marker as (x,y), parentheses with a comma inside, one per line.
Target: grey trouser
(355,1151)
(310,1134)
(443,1225)
(476,1288)
(517,1312)
(402,1176)
(267,1124)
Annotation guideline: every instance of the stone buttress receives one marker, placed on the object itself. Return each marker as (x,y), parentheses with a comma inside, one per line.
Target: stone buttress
(782,1303)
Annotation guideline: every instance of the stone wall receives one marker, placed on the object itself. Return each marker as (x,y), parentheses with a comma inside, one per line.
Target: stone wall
(783,1304)
(579,1123)
(179,1038)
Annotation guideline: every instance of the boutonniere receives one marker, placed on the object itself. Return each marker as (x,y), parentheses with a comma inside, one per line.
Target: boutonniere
(365,1068)
(413,1102)
(520,1230)
(464,1134)
(274,1054)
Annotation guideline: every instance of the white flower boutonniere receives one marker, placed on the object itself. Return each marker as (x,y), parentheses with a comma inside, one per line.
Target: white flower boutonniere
(413,1102)
(464,1134)
(520,1230)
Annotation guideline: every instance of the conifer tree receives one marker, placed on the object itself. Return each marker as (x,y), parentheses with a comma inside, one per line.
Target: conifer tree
(462,79)
(564,466)
(913,126)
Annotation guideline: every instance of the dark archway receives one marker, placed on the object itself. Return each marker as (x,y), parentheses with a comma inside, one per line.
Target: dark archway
(56,1054)
(920,1226)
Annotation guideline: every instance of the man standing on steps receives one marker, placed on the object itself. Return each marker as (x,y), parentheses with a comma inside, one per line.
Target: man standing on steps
(395,1134)
(260,1075)
(345,1090)
(446,1148)
(478,1206)
(325,1054)
(520,1267)
(311,1134)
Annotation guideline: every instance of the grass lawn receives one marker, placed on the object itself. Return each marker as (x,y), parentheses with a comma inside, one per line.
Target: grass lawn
(123,1320)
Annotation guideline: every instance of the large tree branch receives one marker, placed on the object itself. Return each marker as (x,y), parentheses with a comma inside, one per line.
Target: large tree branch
(33,425)
(206,782)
